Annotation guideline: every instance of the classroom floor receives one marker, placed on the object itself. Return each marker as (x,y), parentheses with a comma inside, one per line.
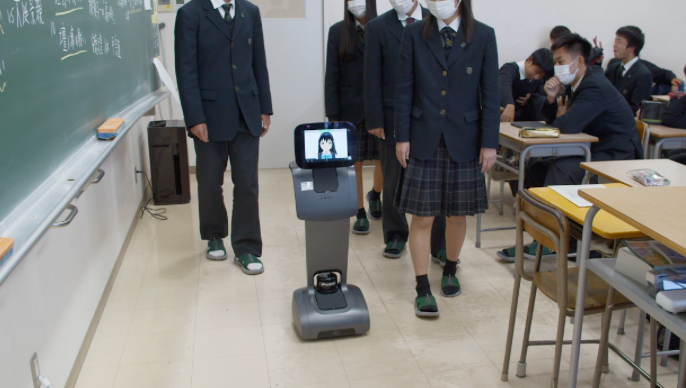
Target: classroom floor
(176,319)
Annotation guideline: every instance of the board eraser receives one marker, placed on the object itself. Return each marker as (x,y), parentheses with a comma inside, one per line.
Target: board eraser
(108,130)
(6,248)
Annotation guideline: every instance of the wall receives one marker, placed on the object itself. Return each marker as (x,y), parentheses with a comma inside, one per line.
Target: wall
(48,302)
(522,26)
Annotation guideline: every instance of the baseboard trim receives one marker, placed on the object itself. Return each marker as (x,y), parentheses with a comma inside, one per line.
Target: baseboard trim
(88,339)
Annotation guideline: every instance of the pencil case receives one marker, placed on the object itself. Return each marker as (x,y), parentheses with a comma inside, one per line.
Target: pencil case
(649,177)
(539,132)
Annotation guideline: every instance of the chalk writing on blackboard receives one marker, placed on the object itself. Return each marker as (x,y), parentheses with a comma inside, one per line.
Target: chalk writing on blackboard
(2,66)
(68,12)
(3,87)
(101,11)
(67,3)
(29,12)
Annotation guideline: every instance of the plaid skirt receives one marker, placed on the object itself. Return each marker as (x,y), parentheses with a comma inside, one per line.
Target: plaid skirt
(367,144)
(441,186)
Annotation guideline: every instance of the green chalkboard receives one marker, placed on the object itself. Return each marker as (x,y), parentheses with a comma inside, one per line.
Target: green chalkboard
(65,66)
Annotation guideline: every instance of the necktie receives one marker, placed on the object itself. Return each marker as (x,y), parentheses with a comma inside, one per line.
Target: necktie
(360,33)
(447,37)
(409,20)
(227,11)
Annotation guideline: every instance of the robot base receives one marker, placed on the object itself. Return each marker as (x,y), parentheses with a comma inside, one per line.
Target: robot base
(314,323)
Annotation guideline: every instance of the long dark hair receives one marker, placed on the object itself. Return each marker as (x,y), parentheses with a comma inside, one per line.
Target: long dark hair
(327,136)
(466,22)
(349,32)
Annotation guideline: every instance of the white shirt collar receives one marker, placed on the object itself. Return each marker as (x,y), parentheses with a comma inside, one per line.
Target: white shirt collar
(218,3)
(454,25)
(629,64)
(357,23)
(416,15)
(522,70)
(578,83)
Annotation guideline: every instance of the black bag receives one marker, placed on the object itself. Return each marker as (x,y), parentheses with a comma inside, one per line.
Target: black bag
(651,112)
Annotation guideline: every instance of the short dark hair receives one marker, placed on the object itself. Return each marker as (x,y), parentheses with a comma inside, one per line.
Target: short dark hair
(634,37)
(574,44)
(558,32)
(543,58)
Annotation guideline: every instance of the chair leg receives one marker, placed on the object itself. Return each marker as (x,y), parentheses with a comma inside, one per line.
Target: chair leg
(478,230)
(604,335)
(665,346)
(653,352)
(521,367)
(635,376)
(622,320)
(511,327)
(559,339)
(502,197)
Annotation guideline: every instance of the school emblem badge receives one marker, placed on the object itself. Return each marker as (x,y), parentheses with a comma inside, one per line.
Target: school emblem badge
(469,70)
(624,92)
(249,41)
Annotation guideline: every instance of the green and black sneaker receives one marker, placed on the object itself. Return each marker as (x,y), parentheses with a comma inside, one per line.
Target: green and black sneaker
(216,250)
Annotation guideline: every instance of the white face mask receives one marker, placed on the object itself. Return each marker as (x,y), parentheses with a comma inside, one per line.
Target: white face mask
(402,6)
(562,73)
(358,8)
(443,9)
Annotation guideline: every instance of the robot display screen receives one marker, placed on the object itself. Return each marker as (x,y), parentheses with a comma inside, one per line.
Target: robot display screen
(325,145)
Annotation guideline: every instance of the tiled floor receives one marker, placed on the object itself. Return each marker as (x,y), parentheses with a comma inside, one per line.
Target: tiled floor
(175,319)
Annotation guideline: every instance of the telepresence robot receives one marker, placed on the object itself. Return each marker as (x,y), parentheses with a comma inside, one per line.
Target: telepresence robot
(326,198)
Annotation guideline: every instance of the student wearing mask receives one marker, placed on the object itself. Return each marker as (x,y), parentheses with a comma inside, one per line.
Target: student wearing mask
(521,86)
(629,75)
(591,105)
(447,128)
(381,62)
(344,98)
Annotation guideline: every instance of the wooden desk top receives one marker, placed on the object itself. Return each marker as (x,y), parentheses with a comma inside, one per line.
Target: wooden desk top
(660,131)
(511,132)
(616,170)
(660,98)
(604,225)
(659,212)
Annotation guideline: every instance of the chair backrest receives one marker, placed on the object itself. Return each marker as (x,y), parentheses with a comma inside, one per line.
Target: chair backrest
(644,135)
(550,228)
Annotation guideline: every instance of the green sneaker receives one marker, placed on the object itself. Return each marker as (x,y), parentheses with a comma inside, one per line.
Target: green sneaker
(450,286)
(249,263)
(425,306)
(375,208)
(509,254)
(361,226)
(216,250)
(394,249)
(441,257)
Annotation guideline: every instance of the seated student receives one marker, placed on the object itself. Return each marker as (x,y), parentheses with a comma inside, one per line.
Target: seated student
(596,58)
(663,79)
(557,32)
(630,76)
(594,107)
(521,86)
(675,113)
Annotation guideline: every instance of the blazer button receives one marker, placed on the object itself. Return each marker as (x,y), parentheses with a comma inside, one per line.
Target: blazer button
(233,45)
(233,66)
(237,88)
(443,93)
(443,112)
(445,73)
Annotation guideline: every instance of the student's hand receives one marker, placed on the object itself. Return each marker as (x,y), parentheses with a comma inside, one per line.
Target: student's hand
(676,82)
(266,122)
(597,43)
(200,131)
(402,152)
(508,114)
(562,105)
(378,132)
(638,114)
(523,100)
(552,89)
(487,158)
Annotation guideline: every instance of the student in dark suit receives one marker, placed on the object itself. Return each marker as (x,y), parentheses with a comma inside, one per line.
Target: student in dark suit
(447,124)
(381,52)
(344,98)
(629,75)
(663,79)
(558,32)
(521,86)
(221,71)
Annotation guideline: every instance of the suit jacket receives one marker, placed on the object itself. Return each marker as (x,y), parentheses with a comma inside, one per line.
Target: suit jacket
(455,97)
(513,88)
(635,85)
(221,73)
(660,76)
(381,51)
(344,80)
(598,109)
(675,114)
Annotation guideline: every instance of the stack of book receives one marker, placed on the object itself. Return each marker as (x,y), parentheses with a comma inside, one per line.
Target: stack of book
(652,261)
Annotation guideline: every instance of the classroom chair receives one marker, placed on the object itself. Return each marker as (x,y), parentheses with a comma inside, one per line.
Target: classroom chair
(644,136)
(550,228)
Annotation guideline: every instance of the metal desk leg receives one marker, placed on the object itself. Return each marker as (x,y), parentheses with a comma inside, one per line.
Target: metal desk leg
(665,347)
(653,352)
(682,364)
(635,376)
(657,149)
(622,320)
(478,230)
(582,256)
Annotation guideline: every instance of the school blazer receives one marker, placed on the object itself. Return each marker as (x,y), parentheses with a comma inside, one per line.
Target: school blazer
(635,85)
(457,97)
(381,51)
(344,80)
(598,109)
(660,76)
(513,88)
(221,74)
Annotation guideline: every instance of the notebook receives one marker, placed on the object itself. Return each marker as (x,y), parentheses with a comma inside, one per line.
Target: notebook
(530,124)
